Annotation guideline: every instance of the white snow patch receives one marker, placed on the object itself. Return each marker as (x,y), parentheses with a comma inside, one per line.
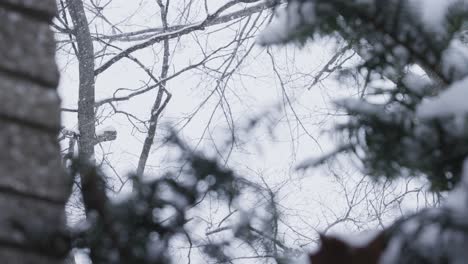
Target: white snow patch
(360,106)
(107,129)
(452,101)
(417,83)
(392,252)
(288,20)
(302,259)
(359,240)
(433,13)
(455,60)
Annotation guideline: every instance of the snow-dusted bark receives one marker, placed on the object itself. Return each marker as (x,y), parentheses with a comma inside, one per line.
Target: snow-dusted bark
(86,101)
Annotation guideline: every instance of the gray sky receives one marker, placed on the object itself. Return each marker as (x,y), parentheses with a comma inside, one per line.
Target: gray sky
(307,198)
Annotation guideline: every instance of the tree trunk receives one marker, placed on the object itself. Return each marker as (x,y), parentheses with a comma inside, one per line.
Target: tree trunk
(33,186)
(86,100)
(158,106)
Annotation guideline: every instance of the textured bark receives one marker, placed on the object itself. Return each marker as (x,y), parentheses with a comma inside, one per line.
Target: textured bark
(86,98)
(33,186)
(93,192)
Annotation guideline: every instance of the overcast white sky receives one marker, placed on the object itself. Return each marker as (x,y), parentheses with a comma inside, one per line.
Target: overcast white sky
(306,197)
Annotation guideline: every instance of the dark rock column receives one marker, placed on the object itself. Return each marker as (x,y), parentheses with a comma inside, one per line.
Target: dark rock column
(33,186)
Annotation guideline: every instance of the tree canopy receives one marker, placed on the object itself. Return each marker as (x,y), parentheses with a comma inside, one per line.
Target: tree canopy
(412,120)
